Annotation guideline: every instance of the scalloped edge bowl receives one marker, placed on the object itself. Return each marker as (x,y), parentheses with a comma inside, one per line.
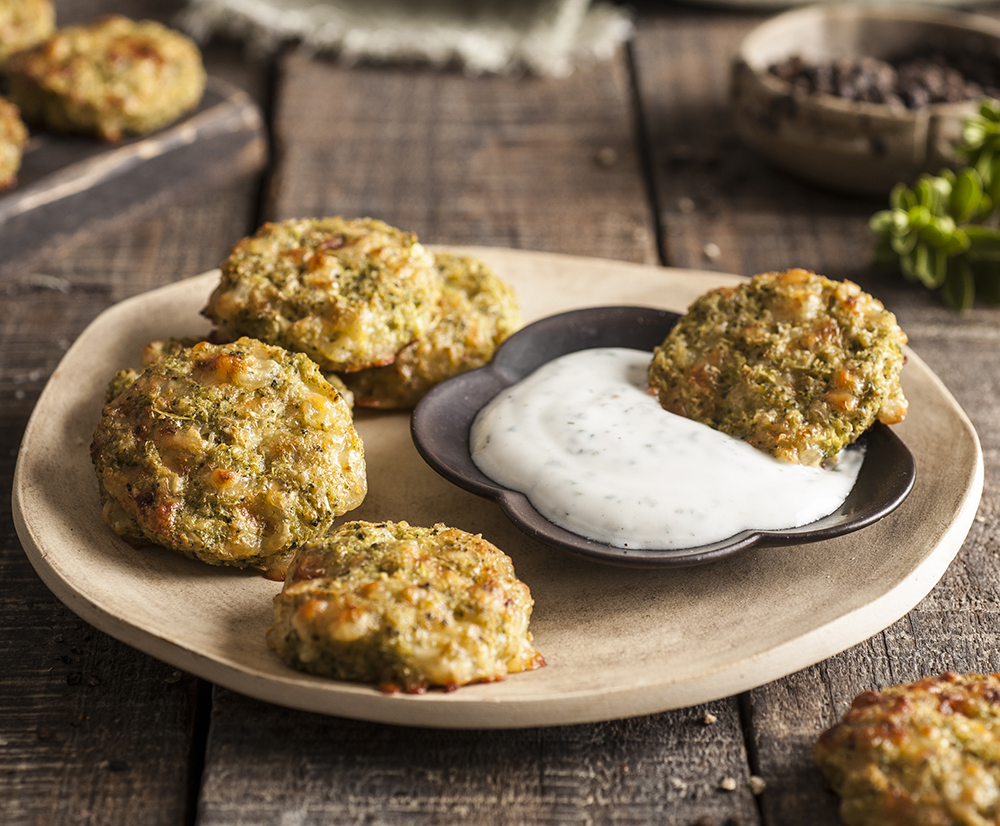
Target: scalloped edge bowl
(441,423)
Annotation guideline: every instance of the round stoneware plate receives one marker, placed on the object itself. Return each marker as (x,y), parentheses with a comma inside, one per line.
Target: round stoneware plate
(618,642)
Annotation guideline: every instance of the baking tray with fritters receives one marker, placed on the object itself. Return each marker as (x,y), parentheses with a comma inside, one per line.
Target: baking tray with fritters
(71,187)
(618,641)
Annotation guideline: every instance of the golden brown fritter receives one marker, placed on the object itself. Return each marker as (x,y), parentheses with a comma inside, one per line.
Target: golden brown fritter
(794,363)
(925,753)
(478,312)
(109,78)
(348,293)
(404,607)
(234,454)
(13,137)
(23,23)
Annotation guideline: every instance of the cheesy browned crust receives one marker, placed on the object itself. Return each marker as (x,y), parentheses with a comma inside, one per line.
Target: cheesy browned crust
(13,137)
(925,753)
(233,454)
(156,350)
(792,362)
(109,78)
(350,293)
(151,353)
(478,312)
(404,607)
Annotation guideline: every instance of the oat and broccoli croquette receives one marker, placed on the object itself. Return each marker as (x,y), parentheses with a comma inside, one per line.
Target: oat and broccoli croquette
(23,23)
(13,137)
(794,363)
(404,607)
(233,454)
(110,78)
(350,293)
(478,312)
(925,753)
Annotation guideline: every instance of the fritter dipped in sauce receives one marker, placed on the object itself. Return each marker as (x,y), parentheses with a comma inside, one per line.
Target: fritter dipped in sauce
(792,362)
(404,607)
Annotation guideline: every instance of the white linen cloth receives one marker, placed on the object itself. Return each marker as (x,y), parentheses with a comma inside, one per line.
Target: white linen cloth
(547,37)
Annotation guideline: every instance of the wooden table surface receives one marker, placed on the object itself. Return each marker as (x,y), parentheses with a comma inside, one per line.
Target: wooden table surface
(634,159)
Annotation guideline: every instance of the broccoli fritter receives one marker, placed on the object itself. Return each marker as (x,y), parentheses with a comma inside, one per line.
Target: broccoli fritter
(794,363)
(13,137)
(404,607)
(233,454)
(348,293)
(23,23)
(925,753)
(109,78)
(478,312)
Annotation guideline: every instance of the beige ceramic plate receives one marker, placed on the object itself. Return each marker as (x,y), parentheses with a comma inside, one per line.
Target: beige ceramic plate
(619,642)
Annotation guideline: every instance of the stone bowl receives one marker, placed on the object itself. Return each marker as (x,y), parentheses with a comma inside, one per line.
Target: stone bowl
(847,146)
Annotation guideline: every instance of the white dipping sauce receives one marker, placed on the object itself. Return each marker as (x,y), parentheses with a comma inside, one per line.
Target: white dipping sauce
(596,454)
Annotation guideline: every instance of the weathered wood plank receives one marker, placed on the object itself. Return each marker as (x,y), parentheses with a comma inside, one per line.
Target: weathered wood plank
(713,190)
(321,770)
(515,162)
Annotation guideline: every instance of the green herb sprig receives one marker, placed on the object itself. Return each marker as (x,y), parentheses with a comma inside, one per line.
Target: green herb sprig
(944,231)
